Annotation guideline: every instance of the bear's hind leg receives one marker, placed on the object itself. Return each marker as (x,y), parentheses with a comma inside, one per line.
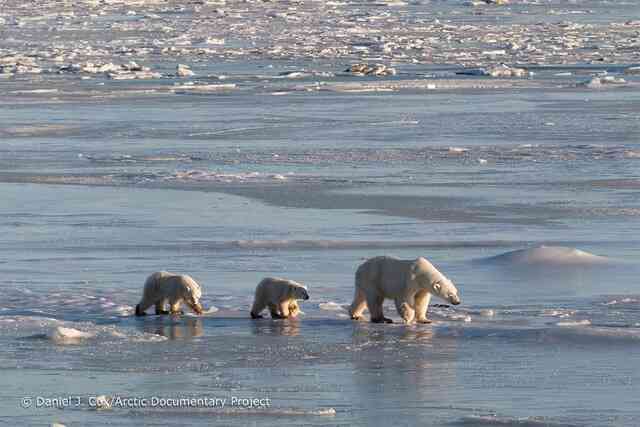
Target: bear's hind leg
(405,310)
(141,309)
(160,307)
(256,309)
(358,305)
(375,309)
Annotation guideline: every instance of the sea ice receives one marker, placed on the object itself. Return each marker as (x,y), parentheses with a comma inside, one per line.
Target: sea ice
(184,71)
(62,335)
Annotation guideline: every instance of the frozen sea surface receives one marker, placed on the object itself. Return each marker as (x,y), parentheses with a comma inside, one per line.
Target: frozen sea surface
(273,160)
(534,342)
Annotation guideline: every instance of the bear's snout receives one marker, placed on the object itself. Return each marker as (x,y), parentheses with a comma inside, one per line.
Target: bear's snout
(455,300)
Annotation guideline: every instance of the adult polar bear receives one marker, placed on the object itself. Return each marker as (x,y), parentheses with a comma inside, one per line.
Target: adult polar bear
(162,287)
(410,283)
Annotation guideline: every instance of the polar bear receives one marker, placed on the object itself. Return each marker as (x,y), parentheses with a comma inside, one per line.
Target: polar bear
(162,286)
(409,282)
(280,296)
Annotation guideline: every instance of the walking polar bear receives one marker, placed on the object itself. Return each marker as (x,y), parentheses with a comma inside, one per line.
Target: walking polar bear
(409,282)
(163,286)
(280,296)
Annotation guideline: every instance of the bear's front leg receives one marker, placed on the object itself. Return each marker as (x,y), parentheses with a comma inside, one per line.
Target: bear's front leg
(422,305)
(175,308)
(284,309)
(294,309)
(160,309)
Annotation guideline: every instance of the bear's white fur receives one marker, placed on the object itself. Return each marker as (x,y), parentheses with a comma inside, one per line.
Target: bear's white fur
(280,296)
(162,287)
(410,283)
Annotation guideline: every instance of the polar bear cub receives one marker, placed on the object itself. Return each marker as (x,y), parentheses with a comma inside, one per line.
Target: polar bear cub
(410,283)
(162,287)
(280,296)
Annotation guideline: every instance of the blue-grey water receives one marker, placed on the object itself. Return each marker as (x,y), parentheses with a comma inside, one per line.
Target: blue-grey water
(103,182)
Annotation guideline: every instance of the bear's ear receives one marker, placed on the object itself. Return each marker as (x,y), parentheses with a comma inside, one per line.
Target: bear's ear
(437,286)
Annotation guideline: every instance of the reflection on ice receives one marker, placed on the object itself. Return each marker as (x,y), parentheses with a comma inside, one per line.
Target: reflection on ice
(283,327)
(173,327)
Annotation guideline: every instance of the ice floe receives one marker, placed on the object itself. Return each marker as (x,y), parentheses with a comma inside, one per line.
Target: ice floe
(623,301)
(554,255)
(583,322)
(371,70)
(198,175)
(61,335)
(191,88)
(367,36)
(331,306)
(184,71)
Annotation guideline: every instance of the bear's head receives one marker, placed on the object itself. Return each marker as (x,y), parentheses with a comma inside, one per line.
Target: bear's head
(192,296)
(298,291)
(426,276)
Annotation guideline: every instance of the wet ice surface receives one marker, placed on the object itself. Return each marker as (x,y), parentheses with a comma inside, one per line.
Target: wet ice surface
(202,138)
(452,371)
(73,274)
